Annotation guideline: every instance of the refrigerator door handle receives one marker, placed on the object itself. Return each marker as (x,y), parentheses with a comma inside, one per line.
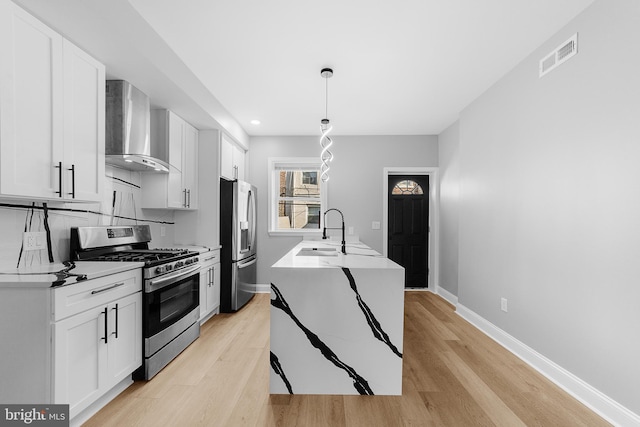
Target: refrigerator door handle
(253,217)
(247,264)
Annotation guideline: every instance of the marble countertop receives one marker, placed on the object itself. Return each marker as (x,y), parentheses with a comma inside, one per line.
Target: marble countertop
(43,276)
(358,255)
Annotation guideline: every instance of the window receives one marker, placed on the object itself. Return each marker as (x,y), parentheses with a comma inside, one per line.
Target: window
(310,178)
(297,197)
(406,188)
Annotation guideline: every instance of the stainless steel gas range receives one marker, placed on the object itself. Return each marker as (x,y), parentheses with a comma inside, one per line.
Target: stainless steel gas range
(170,289)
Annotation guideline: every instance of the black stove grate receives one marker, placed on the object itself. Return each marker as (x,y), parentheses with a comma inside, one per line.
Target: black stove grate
(150,257)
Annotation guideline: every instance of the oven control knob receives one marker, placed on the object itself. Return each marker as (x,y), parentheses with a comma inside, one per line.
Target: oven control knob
(196,259)
(160,270)
(169,267)
(179,264)
(188,261)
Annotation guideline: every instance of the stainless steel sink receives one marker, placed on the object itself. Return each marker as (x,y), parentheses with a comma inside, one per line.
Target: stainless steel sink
(317,252)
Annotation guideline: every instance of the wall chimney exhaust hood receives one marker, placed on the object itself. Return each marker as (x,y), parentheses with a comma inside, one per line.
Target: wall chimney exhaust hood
(128,130)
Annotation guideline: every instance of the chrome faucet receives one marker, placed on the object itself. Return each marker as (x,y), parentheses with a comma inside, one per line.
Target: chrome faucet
(324,230)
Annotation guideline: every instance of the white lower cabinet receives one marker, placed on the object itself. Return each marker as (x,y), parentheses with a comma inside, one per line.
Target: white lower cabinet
(70,344)
(95,350)
(80,360)
(97,336)
(209,285)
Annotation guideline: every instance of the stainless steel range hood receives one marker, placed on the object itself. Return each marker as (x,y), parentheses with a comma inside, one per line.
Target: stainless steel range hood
(128,142)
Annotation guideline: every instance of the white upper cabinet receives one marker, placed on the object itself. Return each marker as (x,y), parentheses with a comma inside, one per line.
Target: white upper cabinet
(232,159)
(51,113)
(177,189)
(84,126)
(190,165)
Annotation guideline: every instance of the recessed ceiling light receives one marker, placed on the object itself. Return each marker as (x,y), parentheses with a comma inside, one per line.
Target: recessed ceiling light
(255,122)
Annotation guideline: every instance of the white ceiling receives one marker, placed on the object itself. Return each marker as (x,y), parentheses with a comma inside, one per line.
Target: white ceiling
(402,67)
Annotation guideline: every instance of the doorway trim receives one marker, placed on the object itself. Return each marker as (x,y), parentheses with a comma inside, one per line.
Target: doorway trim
(433,263)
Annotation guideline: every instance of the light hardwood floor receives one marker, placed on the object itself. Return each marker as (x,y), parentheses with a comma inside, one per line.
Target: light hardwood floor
(453,375)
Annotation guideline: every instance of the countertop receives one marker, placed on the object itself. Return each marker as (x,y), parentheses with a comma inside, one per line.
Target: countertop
(43,276)
(358,255)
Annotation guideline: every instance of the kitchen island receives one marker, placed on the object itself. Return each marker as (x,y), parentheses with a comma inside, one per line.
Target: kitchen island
(336,321)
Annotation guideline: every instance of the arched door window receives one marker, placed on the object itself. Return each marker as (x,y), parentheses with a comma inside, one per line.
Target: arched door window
(407,187)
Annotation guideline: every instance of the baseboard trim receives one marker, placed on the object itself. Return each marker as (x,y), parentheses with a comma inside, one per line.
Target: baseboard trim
(263,289)
(451,298)
(597,401)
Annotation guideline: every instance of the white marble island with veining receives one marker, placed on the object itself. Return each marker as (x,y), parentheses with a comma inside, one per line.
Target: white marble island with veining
(336,321)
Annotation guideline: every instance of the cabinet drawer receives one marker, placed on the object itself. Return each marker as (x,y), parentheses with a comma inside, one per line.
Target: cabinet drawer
(76,298)
(210,257)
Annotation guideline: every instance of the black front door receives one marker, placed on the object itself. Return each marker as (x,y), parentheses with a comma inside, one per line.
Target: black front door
(409,226)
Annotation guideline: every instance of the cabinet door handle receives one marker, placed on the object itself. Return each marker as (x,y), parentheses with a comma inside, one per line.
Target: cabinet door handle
(59,167)
(97,291)
(116,331)
(189,203)
(73,181)
(106,325)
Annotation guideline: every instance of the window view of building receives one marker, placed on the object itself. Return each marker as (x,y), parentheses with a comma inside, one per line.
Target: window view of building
(299,201)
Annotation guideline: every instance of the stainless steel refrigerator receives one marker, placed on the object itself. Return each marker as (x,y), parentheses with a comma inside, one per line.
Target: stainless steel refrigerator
(238,239)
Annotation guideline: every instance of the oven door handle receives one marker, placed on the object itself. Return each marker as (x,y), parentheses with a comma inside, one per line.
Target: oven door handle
(169,279)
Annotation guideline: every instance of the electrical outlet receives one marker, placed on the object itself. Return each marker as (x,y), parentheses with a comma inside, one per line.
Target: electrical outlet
(350,232)
(375,225)
(34,240)
(503,304)
(163,231)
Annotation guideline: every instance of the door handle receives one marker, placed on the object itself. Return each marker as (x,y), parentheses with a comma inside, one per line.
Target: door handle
(247,264)
(73,181)
(189,202)
(254,218)
(97,291)
(59,167)
(169,279)
(116,331)
(106,325)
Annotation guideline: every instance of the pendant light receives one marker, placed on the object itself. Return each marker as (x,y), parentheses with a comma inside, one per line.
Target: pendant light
(325,126)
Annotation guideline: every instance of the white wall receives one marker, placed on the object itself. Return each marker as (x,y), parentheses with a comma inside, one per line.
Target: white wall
(355,185)
(12,221)
(449,145)
(549,210)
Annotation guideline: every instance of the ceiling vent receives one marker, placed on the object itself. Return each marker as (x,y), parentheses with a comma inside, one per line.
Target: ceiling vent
(561,54)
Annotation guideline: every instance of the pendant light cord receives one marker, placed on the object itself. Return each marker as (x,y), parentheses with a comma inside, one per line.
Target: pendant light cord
(326,98)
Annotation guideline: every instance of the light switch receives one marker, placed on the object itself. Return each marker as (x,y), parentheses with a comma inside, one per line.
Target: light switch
(375,225)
